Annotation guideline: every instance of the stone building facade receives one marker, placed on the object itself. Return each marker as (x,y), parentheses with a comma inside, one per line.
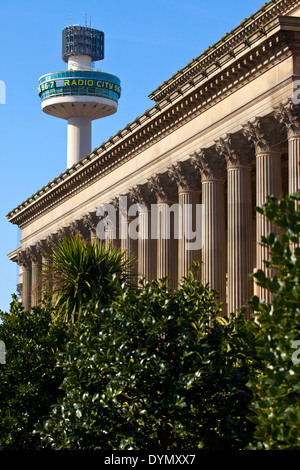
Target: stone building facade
(223,133)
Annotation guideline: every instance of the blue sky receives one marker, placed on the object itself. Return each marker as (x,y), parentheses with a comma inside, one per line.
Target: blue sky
(146,42)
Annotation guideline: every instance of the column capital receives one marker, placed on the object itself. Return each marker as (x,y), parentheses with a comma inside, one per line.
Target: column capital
(181,174)
(76,227)
(61,233)
(89,221)
(42,246)
(235,149)
(288,114)
(141,194)
(159,185)
(24,258)
(113,202)
(155,186)
(210,165)
(135,194)
(34,253)
(264,134)
(50,241)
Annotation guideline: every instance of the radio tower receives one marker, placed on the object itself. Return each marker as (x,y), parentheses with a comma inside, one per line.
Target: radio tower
(80,94)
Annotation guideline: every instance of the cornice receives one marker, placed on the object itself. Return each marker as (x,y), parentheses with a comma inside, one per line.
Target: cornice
(243,36)
(173,112)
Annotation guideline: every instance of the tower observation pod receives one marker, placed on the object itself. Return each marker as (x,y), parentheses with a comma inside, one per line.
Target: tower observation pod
(80,94)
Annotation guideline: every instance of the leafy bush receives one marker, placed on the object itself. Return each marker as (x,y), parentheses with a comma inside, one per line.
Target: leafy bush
(276,387)
(158,369)
(30,378)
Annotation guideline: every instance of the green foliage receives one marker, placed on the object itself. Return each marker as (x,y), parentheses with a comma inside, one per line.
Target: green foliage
(31,378)
(156,370)
(151,368)
(83,272)
(276,388)
(228,362)
(29,381)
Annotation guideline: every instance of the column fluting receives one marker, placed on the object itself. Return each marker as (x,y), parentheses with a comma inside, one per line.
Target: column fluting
(239,221)
(288,114)
(263,134)
(166,244)
(25,262)
(212,172)
(190,224)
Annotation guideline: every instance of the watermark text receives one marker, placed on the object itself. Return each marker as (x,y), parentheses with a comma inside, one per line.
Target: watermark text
(2,92)
(2,352)
(161,221)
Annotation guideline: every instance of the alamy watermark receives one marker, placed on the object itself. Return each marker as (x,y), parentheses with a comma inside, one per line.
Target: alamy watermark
(296,354)
(2,92)
(2,352)
(161,221)
(296,93)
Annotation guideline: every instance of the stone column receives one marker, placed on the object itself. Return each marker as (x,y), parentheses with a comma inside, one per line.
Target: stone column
(89,222)
(166,243)
(110,233)
(212,171)
(35,276)
(114,234)
(264,135)
(35,292)
(239,220)
(43,247)
(60,234)
(107,225)
(25,262)
(47,246)
(128,244)
(146,245)
(288,114)
(76,228)
(190,229)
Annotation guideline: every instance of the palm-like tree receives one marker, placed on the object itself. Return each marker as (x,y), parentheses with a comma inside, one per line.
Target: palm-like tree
(83,273)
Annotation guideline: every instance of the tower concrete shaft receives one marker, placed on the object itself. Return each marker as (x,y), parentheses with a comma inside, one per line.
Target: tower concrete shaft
(79,139)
